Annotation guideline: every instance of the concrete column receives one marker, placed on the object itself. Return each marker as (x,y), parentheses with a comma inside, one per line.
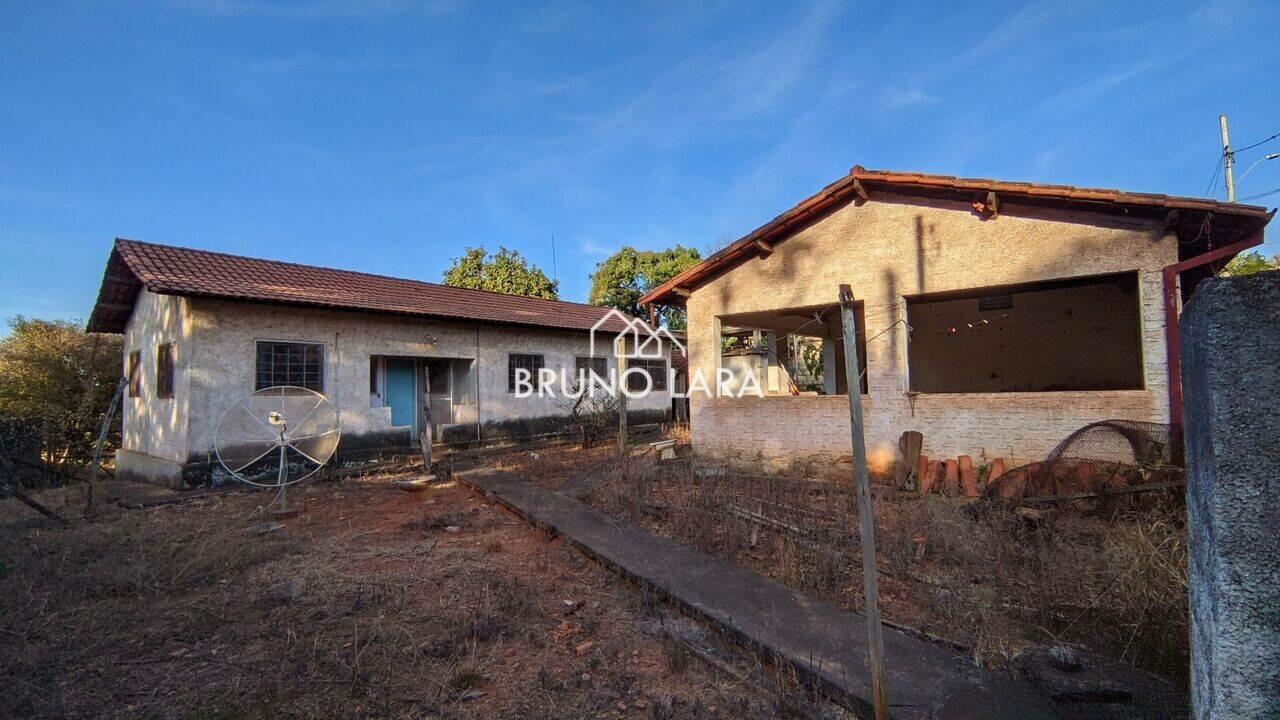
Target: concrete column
(1230,349)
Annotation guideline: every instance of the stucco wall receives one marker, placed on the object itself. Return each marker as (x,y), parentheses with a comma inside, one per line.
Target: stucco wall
(887,250)
(154,426)
(222,369)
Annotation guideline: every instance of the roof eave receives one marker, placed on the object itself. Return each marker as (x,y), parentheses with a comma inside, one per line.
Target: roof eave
(116,297)
(860,180)
(316,305)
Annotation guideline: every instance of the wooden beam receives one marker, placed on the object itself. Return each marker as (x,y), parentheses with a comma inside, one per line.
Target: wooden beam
(863,196)
(993,204)
(682,292)
(764,248)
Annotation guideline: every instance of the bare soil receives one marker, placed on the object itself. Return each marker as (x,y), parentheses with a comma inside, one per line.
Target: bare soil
(372,603)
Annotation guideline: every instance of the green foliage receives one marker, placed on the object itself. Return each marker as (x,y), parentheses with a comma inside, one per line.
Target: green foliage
(53,372)
(811,355)
(1250,263)
(505,271)
(628,274)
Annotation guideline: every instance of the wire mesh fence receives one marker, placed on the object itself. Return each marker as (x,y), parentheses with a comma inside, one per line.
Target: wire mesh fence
(1110,460)
(46,452)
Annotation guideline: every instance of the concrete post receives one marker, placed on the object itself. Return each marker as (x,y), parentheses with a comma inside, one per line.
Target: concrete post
(1231,388)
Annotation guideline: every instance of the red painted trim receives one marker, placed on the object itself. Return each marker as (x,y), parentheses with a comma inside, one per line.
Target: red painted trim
(1173,363)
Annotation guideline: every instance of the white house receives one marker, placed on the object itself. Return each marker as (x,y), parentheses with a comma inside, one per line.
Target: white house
(203,330)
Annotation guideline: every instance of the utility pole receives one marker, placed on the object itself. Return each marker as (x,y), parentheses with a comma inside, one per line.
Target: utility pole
(1228,158)
(866,518)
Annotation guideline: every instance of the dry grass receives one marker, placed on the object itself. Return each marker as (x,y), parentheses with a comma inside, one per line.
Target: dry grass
(975,575)
(367,605)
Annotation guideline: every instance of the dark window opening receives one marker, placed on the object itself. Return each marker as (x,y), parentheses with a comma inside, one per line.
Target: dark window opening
(293,364)
(532,363)
(655,369)
(164,371)
(792,351)
(583,366)
(135,374)
(1077,334)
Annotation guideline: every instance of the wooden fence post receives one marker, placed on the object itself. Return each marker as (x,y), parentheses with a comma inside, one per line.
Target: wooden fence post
(866,518)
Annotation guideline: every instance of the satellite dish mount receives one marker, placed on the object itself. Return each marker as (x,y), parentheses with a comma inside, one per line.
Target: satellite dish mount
(276,437)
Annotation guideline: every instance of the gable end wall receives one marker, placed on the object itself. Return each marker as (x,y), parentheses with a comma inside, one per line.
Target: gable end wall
(888,250)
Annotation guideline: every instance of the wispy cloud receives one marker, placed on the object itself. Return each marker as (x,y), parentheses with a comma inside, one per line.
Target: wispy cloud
(591,247)
(1043,163)
(903,97)
(1218,14)
(333,63)
(1086,93)
(321,8)
(1012,31)
(715,91)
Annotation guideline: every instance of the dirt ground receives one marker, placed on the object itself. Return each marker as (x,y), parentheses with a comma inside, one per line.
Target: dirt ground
(979,576)
(372,603)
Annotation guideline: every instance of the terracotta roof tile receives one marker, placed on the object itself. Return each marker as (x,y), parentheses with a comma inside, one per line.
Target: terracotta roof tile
(182,271)
(1248,218)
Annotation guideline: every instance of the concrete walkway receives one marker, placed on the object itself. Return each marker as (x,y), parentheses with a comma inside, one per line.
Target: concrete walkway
(926,682)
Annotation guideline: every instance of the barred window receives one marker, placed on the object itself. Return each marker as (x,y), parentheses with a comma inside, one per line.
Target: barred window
(532,363)
(135,373)
(296,364)
(583,366)
(164,371)
(655,369)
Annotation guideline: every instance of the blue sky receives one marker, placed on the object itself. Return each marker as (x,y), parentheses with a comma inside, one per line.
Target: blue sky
(386,136)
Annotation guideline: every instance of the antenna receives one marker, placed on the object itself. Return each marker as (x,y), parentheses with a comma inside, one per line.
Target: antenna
(276,437)
(555,275)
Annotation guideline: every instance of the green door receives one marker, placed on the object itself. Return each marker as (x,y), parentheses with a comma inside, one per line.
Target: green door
(402,393)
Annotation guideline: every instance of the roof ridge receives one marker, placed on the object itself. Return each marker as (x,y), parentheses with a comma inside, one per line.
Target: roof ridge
(860,172)
(843,190)
(131,241)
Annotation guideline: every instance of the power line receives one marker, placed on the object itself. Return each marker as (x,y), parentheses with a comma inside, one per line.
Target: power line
(1262,195)
(1216,169)
(1261,142)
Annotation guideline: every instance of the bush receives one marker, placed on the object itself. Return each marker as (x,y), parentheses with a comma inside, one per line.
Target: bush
(59,379)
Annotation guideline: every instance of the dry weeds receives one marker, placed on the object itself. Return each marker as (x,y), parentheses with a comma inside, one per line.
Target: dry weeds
(974,575)
(372,603)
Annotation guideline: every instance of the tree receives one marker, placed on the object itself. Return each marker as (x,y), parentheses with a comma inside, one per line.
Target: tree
(54,373)
(1250,263)
(505,271)
(628,274)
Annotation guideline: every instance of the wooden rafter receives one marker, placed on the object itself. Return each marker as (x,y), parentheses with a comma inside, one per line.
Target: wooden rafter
(863,196)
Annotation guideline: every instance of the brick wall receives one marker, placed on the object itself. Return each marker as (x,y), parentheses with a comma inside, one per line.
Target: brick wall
(888,250)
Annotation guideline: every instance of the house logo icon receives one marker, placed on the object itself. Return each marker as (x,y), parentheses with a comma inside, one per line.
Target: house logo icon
(645,342)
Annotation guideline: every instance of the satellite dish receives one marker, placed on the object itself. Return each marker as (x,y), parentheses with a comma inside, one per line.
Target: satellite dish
(277,436)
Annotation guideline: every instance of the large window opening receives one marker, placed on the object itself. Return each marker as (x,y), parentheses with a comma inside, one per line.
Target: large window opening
(1077,334)
(794,351)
